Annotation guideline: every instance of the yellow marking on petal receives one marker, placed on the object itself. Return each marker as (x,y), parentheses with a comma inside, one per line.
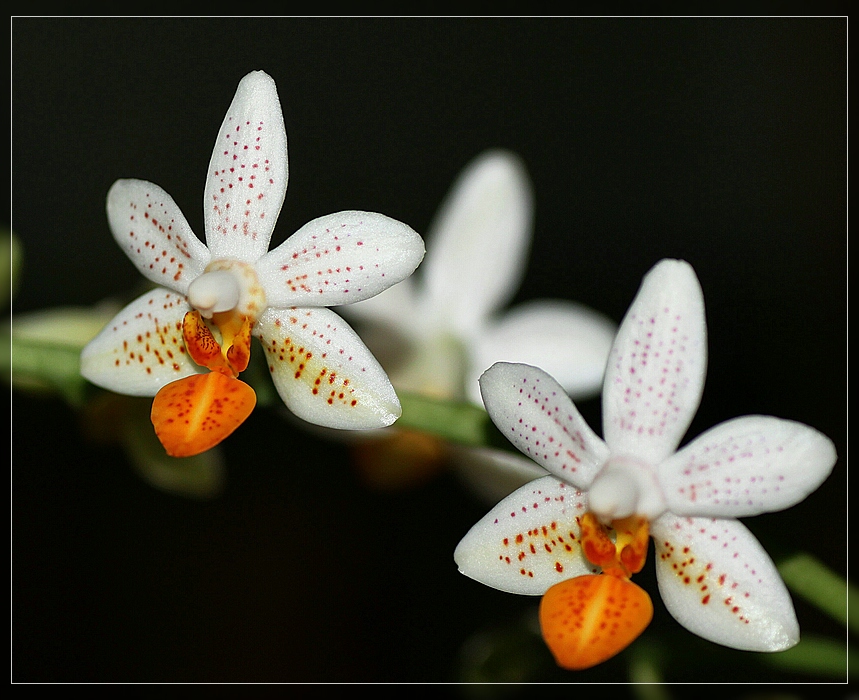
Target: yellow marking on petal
(588,619)
(314,372)
(633,536)
(714,586)
(193,414)
(236,338)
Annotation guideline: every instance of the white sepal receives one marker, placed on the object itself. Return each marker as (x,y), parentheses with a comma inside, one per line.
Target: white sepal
(529,541)
(533,412)
(247,177)
(492,473)
(479,240)
(656,369)
(394,308)
(340,259)
(323,371)
(717,581)
(569,341)
(746,466)
(142,348)
(152,231)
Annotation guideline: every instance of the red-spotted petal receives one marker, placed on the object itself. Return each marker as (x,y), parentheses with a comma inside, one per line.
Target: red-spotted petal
(656,369)
(339,259)
(324,372)
(153,232)
(142,348)
(532,411)
(718,582)
(247,175)
(746,466)
(529,541)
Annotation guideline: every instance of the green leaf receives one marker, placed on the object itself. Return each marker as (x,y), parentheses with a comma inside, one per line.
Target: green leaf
(814,655)
(822,587)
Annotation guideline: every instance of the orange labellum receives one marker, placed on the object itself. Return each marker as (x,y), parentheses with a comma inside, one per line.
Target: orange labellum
(194,414)
(588,619)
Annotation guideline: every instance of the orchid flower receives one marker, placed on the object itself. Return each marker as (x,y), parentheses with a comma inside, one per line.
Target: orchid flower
(576,536)
(437,331)
(186,341)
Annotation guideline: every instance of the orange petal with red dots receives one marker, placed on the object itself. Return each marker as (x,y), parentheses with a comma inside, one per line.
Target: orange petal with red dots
(200,343)
(588,619)
(194,414)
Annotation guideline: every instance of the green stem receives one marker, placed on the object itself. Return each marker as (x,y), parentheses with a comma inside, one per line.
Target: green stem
(462,423)
(37,364)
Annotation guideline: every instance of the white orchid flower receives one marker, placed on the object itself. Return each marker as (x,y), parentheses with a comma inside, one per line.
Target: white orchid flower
(436,332)
(604,497)
(186,341)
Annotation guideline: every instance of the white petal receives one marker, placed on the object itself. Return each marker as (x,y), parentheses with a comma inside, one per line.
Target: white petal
(655,373)
(532,411)
(324,372)
(142,348)
(569,341)
(154,234)
(340,259)
(492,474)
(246,182)
(746,466)
(718,582)
(479,240)
(529,541)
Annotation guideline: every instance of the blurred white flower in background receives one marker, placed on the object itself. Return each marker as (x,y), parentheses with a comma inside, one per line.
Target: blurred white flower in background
(436,332)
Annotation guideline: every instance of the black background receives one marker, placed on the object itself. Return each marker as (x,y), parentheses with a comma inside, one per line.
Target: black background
(720,141)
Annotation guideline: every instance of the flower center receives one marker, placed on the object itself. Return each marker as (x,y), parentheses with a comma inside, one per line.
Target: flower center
(229,296)
(193,414)
(625,487)
(213,292)
(620,549)
(227,285)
